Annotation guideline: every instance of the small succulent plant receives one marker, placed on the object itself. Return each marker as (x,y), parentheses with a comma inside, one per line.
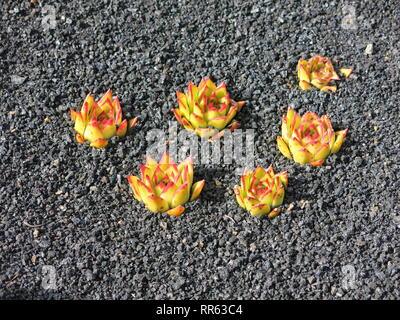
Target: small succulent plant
(206,109)
(261,191)
(346,72)
(166,186)
(98,121)
(318,72)
(308,139)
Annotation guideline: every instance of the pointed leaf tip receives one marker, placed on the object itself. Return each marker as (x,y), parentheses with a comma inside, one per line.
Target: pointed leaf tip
(79,138)
(73,114)
(132,122)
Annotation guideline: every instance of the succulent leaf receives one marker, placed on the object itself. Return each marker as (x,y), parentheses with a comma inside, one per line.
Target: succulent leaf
(339,138)
(283,148)
(155,203)
(196,189)
(122,129)
(99,143)
(79,138)
(176,211)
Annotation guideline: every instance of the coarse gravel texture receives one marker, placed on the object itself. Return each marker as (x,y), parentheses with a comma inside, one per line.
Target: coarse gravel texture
(69,206)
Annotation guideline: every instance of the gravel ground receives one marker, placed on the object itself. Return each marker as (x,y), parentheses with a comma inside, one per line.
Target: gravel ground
(67,208)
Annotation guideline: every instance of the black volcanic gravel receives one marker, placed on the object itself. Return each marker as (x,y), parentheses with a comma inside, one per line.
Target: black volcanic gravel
(69,206)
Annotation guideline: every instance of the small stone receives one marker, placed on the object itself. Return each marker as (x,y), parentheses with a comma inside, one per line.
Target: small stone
(368,49)
(15,79)
(35,233)
(339,293)
(255,10)
(44,244)
(104,179)
(374,209)
(290,207)
(164,225)
(303,203)
(89,275)
(360,243)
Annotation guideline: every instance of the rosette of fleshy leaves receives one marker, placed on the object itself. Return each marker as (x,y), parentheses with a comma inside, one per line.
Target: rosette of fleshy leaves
(308,139)
(166,186)
(98,121)
(261,191)
(207,109)
(318,72)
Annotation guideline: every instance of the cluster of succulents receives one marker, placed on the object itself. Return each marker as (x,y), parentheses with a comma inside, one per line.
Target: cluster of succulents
(207,110)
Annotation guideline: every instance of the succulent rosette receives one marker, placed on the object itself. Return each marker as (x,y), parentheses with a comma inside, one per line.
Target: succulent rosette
(166,186)
(206,109)
(261,191)
(308,139)
(318,72)
(97,122)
